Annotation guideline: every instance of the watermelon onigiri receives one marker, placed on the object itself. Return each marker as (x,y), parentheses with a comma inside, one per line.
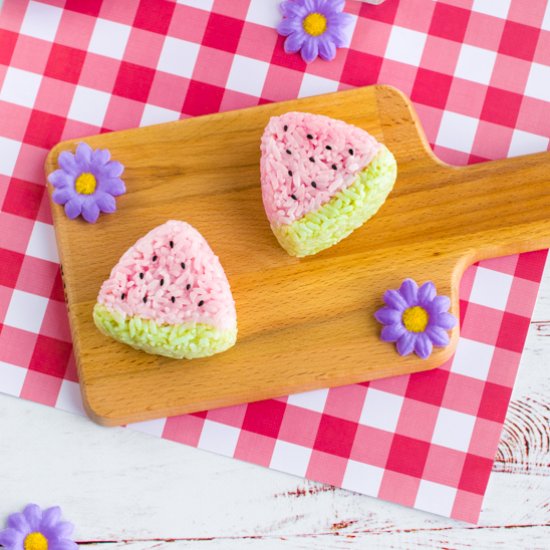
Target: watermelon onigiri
(168,295)
(321,180)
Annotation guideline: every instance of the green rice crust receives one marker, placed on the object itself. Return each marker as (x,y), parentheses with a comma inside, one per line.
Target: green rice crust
(345,212)
(185,341)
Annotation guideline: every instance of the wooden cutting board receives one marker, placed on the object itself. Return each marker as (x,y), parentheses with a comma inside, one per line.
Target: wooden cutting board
(303,323)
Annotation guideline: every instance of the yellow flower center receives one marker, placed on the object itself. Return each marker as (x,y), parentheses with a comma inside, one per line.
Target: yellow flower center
(85,184)
(415,319)
(315,24)
(36,541)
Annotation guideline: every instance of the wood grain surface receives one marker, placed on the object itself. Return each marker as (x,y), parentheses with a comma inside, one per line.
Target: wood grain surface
(303,324)
(124,489)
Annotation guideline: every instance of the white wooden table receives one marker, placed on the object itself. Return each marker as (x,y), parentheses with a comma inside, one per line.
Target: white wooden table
(123,488)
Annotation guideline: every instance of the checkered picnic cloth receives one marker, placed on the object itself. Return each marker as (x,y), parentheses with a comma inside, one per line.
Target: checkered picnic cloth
(478,72)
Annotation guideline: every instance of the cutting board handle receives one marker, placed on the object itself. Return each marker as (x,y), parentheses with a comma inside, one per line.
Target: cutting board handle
(490,209)
(505,205)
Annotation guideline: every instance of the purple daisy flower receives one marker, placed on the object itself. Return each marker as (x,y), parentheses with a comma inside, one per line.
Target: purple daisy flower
(416,318)
(316,27)
(87,182)
(34,529)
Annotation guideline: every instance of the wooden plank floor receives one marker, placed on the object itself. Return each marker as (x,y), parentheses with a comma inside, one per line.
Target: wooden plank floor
(128,490)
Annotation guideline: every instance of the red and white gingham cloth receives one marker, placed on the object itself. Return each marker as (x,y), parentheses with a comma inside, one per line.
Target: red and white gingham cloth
(478,72)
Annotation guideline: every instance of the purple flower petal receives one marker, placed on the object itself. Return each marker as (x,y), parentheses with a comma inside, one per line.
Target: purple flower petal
(310,49)
(294,42)
(333,18)
(68,163)
(334,5)
(288,26)
(409,291)
(63,544)
(339,21)
(405,344)
(113,169)
(61,196)
(392,333)
(423,346)
(437,335)
(33,515)
(19,522)
(327,49)
(310,5)
(394,300)
(90,210)
(106,203)
(337,36)
(444,320)
(11,538)
(113,186)
(345,20)
(83,155)
(100,156)
(440,303)
(426,293)
(50,517)
(64,529)
(388,316)
(292,9)
(60,178)
(73,208)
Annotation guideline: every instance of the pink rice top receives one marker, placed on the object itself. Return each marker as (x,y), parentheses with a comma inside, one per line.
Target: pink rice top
(171,276)
(306,160)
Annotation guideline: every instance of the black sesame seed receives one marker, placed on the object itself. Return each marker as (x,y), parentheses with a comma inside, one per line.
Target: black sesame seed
(309,136)
(285,128)
(188,286)
(171,244)
(141,275)
(201,303)
(161,282)
(334,167)
(155,258)
(290,173)
(313,184)
(294,197)
(311,159)
(182,265)
(328,147)
(351,152)
(145,299)
(122,296)
(288,152)
(173,299)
